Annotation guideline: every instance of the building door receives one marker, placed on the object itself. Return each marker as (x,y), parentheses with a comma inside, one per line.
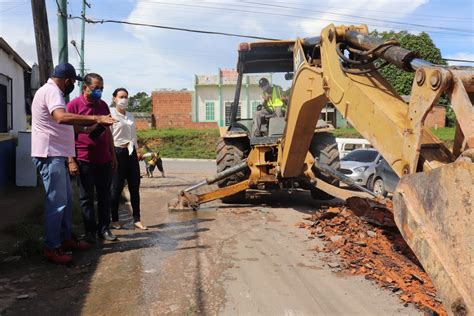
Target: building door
(3,109)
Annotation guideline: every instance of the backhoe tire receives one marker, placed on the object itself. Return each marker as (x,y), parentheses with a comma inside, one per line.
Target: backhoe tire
(230,153)
(324,148)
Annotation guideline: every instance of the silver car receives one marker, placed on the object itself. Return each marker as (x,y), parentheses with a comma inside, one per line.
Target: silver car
(360,165)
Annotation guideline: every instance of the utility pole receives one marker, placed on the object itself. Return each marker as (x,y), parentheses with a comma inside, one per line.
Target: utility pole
(43,43)
(83,35)
(62,31)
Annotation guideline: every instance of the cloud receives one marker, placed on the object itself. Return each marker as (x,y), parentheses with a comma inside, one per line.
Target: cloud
(352,11)
(144,59)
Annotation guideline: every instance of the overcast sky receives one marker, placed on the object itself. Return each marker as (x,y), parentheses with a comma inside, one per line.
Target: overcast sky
(146,59)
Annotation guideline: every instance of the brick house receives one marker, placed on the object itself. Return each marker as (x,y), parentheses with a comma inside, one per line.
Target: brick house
(173,109)
(143,120)
(436,117)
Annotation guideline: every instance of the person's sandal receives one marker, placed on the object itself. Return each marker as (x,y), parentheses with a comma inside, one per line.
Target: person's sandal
(115,225)
(139,225)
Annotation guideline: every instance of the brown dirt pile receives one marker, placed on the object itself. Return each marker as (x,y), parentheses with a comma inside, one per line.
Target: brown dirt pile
(367,241)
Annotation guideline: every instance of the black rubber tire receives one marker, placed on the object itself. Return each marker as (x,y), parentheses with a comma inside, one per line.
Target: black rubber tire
(370,182)
(230,153)
(324,148)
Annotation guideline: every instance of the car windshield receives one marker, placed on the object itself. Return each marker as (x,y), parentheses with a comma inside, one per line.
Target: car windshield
(361,156)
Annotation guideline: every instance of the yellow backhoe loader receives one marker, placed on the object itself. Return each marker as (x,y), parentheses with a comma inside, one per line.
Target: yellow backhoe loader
(434,200)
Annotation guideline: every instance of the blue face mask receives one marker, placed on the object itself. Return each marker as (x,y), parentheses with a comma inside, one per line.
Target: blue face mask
(96,94)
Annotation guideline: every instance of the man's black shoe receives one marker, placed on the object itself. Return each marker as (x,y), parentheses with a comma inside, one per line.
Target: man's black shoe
(108,235)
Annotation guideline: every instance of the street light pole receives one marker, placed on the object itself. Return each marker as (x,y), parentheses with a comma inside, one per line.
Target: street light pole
(83,35)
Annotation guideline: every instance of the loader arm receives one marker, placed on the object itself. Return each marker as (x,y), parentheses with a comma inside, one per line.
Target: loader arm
(369,103)
(434,200)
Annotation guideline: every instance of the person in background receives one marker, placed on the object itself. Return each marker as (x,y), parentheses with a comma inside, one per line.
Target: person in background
(152,161)
(125,142)
(95,161)
(52,142)
(274,105)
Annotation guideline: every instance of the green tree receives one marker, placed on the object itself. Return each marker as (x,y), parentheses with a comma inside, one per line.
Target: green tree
(140,102)
(420,43)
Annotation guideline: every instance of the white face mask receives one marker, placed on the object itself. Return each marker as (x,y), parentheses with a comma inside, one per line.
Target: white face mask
(122,103)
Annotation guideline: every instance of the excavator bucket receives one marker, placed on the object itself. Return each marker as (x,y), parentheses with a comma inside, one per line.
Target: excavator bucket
(434,211)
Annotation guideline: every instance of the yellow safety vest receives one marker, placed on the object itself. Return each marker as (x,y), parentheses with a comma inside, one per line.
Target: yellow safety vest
(276,98)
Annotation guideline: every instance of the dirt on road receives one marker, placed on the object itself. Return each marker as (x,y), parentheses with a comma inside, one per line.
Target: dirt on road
(368,243)
(223,259)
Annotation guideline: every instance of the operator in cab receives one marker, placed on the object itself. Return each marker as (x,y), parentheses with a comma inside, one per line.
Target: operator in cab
(274,105)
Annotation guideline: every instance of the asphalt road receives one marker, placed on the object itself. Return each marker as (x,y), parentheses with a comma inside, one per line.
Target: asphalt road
(249,259)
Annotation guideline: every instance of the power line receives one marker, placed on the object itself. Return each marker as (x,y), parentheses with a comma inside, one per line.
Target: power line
(199,31)
(384,11)
(182,11)
(302,17)
(205,32)
(359,17)
(173,28)
(459,60)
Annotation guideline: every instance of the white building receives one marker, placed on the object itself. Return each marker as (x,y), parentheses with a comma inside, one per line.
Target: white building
(214,94)
(14,87)
(14,72)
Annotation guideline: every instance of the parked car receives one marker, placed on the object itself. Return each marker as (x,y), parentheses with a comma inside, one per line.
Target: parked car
(346,145)
(360,164)
(385,179)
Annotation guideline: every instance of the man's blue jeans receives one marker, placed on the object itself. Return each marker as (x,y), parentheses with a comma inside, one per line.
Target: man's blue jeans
(57,200)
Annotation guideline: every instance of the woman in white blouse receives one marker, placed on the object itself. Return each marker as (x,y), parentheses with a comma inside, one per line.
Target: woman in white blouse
(125,142)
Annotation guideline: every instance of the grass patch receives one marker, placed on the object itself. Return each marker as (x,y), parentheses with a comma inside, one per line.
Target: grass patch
(191,143)
(180,142)
(445,134)
(346,133)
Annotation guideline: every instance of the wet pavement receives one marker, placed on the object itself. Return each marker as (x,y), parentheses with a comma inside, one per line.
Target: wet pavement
(249,259)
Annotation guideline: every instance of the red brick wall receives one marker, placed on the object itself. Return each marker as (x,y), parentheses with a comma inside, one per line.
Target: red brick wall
(436,117)
(142,123)
(173,109)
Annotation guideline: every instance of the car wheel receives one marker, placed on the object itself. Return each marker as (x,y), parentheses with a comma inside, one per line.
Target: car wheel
(369,184)
(379,187)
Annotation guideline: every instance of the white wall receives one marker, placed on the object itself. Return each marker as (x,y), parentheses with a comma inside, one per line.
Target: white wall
(207,93)
(211,93)
(10,68)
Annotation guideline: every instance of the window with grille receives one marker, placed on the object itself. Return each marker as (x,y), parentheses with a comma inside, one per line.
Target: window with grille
(253,106)
(210,111)
(228,105)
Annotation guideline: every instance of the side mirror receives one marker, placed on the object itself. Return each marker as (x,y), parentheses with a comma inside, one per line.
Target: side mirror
(289,76)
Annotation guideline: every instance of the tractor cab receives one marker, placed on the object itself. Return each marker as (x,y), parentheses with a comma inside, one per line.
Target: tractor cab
(266,57)
(261,57)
